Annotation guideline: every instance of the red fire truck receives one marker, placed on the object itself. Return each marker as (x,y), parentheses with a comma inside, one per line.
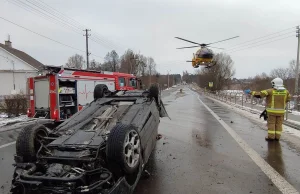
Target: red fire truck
(59,92)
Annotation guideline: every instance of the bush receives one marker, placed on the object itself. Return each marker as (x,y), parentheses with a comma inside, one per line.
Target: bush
(15,105)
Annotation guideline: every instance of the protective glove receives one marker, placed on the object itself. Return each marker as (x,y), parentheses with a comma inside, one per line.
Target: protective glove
(264,114)
(248,91)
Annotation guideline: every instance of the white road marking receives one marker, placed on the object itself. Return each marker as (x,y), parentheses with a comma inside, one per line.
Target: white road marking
(284,186)
(8,144)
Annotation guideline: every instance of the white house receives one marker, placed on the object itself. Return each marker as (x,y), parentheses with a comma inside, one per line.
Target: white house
(15,67)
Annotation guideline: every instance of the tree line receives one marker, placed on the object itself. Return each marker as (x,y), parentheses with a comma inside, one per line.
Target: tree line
(132,63)
(129,62)
(262,81)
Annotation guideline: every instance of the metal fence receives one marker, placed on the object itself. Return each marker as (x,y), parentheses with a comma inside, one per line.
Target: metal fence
(248,101)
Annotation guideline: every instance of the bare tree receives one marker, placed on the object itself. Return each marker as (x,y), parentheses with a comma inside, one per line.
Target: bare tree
(282,73)
(111,61)
(287,74)
(260,82)
(128,62)
(114,60)
(220,74)
(142,64)
(151,66)
(94,65)
(76,61)
(292,69)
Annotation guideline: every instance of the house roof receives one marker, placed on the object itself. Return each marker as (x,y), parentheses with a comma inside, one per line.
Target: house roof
(23,56)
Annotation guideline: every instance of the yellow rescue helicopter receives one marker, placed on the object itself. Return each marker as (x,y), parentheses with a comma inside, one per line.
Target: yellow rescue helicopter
(204,56)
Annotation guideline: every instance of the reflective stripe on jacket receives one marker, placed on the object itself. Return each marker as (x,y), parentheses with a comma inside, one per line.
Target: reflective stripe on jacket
(280,98)
(275,99)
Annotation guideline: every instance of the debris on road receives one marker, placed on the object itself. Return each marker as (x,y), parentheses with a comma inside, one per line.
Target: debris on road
(158,137)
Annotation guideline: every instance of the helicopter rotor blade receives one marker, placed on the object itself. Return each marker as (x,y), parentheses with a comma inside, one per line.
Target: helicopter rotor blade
(189,61)
(223,40)
(187,40)
(215,47)
(187,47)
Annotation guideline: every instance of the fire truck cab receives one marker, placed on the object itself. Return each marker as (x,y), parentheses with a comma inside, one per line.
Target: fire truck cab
(59,92)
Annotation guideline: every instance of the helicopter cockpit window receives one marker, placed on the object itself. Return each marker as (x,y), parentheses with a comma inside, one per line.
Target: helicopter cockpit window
(204,53)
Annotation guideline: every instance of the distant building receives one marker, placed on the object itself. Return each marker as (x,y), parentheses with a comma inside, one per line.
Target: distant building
(15,67)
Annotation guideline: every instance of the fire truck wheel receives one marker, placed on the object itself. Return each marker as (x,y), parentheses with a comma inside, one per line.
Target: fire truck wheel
(154,93)
(29,141)
(99,91)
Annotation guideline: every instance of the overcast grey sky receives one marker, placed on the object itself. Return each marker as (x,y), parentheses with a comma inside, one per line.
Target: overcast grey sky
(149,26)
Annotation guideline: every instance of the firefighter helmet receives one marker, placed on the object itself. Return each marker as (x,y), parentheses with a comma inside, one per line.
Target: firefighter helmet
(277,83)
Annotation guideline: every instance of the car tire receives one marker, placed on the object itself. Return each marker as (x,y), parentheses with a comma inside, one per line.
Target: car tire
(99,91)
(27,143)
(124,148)
(154,93)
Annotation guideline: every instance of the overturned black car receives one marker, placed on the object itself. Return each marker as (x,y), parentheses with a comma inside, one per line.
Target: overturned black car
(101,149)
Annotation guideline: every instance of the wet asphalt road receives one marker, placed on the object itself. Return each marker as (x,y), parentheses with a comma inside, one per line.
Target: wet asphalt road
(197,155)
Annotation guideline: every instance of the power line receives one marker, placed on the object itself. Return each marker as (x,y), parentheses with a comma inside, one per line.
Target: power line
(4,57)
(41,35)
(54,19)
(261,44)
(66,20)
(43,10)
(255,42)
(41,3)
(44,15)
(46,37)
(97,36)
(261,37)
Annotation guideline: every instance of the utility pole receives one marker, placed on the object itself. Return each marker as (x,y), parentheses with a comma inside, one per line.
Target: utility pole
(297,69)
(87,46)
(168,78)
(13,63)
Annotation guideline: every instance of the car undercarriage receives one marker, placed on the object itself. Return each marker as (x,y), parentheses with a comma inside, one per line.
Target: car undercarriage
(101,149)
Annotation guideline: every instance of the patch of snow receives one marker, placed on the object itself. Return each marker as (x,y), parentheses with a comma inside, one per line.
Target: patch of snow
(5,120)
(295,122)
(3,115)
(295,113)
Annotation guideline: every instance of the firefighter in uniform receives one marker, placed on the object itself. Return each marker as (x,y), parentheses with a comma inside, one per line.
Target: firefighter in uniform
(276,99)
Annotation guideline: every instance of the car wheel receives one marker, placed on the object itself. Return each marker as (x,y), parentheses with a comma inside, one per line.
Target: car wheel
(29,141)
(124,148)
(99,91)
